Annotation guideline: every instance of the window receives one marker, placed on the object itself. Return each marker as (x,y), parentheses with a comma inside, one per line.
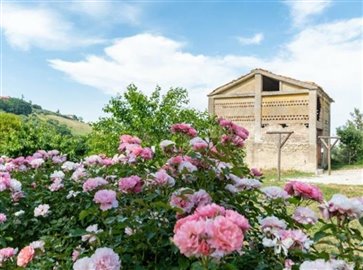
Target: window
(318,109)
(269,84)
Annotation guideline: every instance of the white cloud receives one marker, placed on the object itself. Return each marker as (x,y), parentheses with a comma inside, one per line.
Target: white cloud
(329,54)
(302,10)
(112,11)
(255,39)
(26,27)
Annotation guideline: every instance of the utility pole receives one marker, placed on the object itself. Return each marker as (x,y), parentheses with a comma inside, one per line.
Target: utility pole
(326,140)
(280,143)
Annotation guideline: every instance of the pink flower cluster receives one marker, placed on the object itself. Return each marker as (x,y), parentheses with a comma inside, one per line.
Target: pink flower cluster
(341,206)
(31,162)
(93,183)
(198,144)
(284,240)
(237,135)
(184,128)
(131,184)
(102,259)
(241,184)
(26,255)
(211,231)
(106,199)
(180,164)
(101,160)
(304,190)
(57,179)
(131,146)
(6,254)
(187,200)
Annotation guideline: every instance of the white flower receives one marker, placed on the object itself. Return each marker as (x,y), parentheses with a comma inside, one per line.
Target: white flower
(93,230)
(41,210)
(15,185)
(19,213)
(72,193)
(38,245)
(69,166)
(57,175)
(85,263)
(129,231)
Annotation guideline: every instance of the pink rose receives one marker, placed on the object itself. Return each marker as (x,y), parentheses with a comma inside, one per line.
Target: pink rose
(304,190)
(106,199)
(25,256)
(132,184)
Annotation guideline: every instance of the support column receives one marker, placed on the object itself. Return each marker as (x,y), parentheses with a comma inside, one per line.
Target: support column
(211,105)
(312,130)
(258,106)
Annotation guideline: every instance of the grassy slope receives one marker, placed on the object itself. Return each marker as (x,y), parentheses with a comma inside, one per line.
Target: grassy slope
(77,127)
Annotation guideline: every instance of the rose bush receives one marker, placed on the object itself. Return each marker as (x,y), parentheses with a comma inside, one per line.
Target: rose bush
(188,203)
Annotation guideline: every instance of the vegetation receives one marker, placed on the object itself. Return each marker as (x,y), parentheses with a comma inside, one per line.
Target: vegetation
(20,136)
(350,150)
(191,203)
(15,106)
(146,117)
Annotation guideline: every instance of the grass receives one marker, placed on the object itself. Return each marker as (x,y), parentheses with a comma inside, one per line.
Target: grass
(77,127)
(340,166)
(271,175)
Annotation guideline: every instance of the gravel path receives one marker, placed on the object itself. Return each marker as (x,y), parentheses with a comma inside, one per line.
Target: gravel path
(341,177)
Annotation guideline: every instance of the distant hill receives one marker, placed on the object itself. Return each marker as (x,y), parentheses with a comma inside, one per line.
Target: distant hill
(21,107)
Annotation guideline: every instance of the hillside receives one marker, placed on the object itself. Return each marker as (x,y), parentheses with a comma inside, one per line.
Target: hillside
(77,127)
(21,107)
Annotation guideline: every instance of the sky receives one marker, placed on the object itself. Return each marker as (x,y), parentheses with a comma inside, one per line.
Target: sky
(73,56)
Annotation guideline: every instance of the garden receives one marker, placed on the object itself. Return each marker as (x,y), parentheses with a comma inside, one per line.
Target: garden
(188,202)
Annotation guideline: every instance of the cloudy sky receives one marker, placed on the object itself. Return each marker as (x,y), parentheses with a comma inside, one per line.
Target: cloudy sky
(74,55)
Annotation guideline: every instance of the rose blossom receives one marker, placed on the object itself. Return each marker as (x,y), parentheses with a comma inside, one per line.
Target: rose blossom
(41,210)
(106,199)
(93,183)
(187,129)
(2,218)
(304,190)
(272,224)
(6,253)
(256,172)
(161,178)
(198,143)
(25,256)
(106,259)
(274,193)
(340,205)
(131,184)
(84,264)
(305,215)
(38,245)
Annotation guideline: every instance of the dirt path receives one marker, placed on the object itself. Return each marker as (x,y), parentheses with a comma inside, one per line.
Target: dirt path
(341,177)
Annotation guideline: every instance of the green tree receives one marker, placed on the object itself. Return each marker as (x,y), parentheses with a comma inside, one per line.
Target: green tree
(148,117)
(15,106)
(351,138)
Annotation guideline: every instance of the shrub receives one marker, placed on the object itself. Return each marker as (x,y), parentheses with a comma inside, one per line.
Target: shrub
(190,203)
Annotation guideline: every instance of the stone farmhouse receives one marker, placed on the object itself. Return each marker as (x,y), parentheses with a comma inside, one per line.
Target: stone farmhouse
(262,102)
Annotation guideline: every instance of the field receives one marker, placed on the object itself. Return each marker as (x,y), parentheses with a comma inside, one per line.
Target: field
(77,127)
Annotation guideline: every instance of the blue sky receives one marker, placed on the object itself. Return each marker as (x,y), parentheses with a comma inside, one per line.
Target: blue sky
(74,55)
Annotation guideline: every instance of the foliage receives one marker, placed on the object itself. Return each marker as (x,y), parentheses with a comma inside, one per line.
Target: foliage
(15,106)
(351,138)
(148,117)
(23,136)
(138,224)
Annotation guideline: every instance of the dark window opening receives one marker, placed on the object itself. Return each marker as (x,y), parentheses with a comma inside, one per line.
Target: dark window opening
(269,84)
(318,109)
(284,125)
(264,125)
(307,125)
